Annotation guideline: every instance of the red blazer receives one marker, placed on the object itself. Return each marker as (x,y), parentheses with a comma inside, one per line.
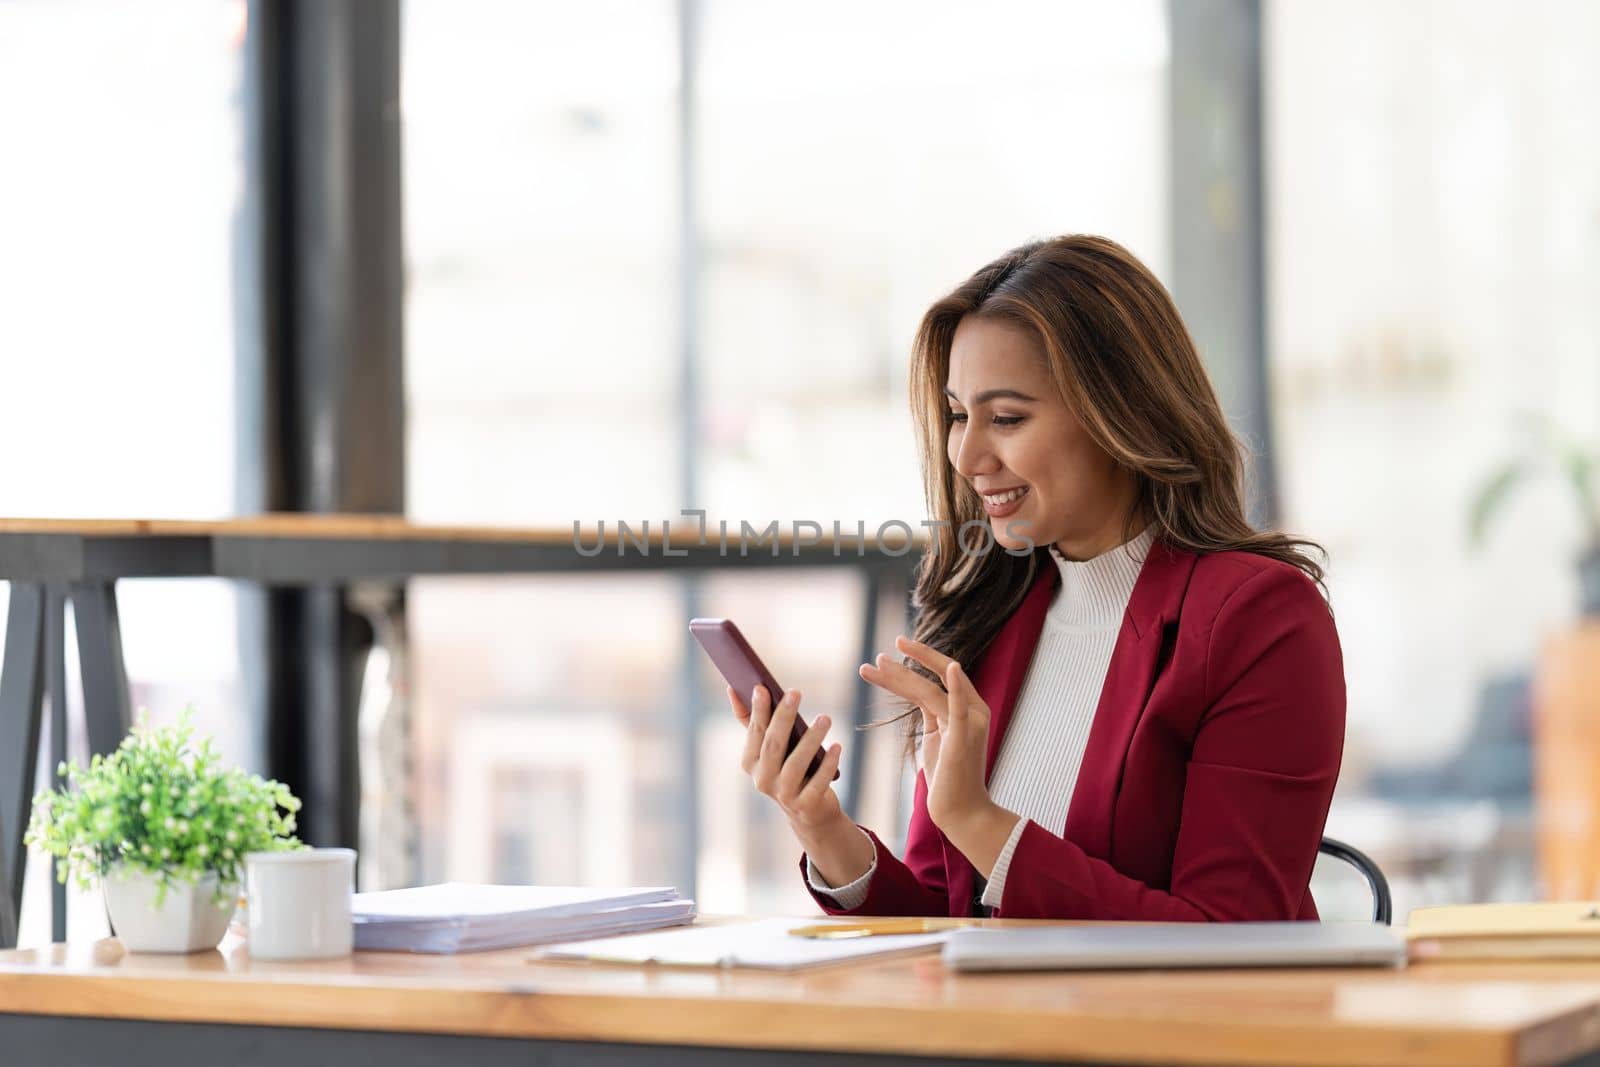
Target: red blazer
(1209,769)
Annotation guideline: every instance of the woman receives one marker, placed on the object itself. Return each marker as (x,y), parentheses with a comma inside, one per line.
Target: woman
(1152,723)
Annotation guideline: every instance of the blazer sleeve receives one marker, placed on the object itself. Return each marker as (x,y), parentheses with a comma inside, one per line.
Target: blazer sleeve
(1259,780)
(915,886)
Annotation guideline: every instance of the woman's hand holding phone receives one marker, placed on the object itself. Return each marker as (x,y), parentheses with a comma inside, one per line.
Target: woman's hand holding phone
(808,803)
(841,852)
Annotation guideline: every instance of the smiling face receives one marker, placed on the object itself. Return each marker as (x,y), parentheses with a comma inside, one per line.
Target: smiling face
(1010,429)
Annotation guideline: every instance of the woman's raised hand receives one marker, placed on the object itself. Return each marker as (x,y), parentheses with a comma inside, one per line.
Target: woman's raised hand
(897,678)
(955,724)
(811,804)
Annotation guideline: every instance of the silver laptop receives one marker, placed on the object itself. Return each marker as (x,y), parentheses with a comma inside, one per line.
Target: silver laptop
(1135,945)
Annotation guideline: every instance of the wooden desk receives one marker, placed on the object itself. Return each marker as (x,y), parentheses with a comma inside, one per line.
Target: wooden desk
(494,1008)
(51,562)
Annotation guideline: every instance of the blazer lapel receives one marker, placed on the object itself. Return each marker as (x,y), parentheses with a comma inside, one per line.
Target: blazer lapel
(1156,600)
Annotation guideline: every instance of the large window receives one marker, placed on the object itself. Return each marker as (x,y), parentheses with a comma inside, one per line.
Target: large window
(840,182)
(1434,262)
(122,172)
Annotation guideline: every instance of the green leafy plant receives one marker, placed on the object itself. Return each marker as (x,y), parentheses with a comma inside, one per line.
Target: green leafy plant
(1545,448)
(161,804)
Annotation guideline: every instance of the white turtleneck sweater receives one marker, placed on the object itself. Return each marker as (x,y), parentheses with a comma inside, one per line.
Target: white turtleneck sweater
(1037,767)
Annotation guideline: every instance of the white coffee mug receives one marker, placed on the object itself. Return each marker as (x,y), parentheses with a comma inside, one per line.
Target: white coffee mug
(299,903)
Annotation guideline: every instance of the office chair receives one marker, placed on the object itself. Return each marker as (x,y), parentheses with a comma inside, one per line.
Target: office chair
(1381,905)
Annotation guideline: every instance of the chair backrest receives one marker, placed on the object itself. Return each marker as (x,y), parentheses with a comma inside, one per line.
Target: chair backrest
(1381,905)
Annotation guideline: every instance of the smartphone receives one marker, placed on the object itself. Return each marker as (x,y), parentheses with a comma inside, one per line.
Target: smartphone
(744,671)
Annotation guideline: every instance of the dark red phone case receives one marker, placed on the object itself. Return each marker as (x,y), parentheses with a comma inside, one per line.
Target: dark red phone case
(744,671)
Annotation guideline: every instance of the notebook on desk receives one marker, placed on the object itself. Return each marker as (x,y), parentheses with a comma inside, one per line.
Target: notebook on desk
(766,944)
(1553,930)
(1167,945)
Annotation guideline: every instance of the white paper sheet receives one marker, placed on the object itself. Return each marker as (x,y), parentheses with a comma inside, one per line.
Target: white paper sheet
(459,900)
(765,943)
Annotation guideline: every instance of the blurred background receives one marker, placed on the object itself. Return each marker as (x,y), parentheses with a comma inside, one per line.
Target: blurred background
(645,255)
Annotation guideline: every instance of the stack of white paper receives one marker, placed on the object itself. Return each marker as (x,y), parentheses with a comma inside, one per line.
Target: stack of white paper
(455,917)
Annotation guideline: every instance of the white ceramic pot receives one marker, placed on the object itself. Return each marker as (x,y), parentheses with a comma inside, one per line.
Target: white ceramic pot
(189,920)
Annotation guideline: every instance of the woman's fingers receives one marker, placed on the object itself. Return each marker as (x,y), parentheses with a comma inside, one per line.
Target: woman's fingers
(780,774)
(792,778)
(905,683)
(756,729)
(775,742)
(960,695)
(968,727)
(930,741)
(928,747)
(741,710)
(927,655)
(822,781)
(972,704)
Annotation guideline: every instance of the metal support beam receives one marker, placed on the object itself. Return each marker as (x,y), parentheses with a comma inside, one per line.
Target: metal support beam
(55,658)
(388,830)
(1218,214)
(692,699)
(345,266)
(34,666)
(105,679)
(872,581)
(21,696)
(318,251)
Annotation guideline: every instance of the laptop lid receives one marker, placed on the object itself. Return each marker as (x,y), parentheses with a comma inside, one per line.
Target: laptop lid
(1166,945)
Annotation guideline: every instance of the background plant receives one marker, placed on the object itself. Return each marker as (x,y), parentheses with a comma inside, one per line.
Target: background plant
(161,804)
(1544,448)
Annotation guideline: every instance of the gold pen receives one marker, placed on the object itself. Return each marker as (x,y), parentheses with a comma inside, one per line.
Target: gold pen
(878,928)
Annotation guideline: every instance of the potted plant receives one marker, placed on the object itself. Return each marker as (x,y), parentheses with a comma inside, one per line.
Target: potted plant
(1566,680)
(164,829)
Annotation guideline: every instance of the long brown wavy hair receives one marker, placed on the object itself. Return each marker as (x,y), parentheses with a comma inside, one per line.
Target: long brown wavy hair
(1127,368)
